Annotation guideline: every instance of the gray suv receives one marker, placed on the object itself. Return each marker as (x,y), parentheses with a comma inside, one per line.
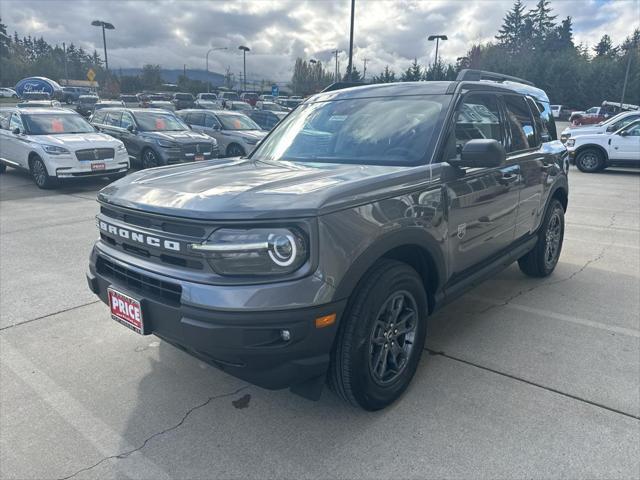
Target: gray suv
(154,137)
(321,256)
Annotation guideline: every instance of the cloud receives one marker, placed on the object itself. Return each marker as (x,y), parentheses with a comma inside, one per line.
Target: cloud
(179,32)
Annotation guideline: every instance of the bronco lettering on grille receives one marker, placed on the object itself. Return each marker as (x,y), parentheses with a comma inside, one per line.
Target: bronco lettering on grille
(140,237)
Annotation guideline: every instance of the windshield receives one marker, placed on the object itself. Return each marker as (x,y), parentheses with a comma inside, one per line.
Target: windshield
(208,96)
(53,123)
(387,130)
(128,98)
(183,96)
(159,122)
(274,107)
(90,100)
(230,96)
(237,122)
(241,106)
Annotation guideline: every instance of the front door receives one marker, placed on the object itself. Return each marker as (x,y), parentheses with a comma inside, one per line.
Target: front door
(482,202)
(627,145)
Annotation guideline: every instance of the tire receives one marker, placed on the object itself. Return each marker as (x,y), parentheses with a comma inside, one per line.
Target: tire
(40,175)
(149,159)
(543,258)
(235,150)
(363,349)
(590,160)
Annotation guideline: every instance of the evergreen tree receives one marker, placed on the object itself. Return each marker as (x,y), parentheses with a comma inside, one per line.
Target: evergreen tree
(605,48)
(413,73)
(542,22)
(510,34)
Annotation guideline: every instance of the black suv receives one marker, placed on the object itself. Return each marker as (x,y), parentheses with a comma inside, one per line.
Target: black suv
(183,100)
(155,137)
(322,255)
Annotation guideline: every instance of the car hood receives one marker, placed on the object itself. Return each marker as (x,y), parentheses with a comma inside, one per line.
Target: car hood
(246,134)
(584,130)
(240,189)
(186,136)
(77,140)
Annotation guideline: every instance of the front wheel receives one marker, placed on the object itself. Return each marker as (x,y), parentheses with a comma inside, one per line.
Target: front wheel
(149,159)
(381,337)
(235,150)
(543,258)
(40,175)
(590,161)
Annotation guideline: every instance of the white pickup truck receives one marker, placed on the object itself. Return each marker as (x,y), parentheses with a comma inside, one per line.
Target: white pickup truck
(595,152)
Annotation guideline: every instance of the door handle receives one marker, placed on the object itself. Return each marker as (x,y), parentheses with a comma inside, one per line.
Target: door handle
(507,178)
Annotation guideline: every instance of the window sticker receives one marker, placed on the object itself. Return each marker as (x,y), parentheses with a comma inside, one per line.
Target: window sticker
(57,126)
(160,124)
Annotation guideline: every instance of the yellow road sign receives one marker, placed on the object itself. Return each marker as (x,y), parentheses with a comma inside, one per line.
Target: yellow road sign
(91,75)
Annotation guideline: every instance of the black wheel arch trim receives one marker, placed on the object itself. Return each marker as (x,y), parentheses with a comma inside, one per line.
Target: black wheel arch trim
(412,237)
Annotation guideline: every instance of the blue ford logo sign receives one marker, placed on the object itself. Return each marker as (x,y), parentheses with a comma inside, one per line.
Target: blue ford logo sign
(37,84)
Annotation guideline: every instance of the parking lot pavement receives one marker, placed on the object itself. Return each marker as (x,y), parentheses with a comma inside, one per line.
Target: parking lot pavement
(522,378)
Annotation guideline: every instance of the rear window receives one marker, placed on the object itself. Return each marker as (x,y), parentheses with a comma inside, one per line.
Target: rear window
(184,96)
(519,123)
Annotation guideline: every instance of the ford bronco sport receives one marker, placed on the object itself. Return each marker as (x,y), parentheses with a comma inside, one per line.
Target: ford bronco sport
(321,255)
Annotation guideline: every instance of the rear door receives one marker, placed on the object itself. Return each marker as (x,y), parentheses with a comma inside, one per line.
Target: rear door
(483,202)
(524,149)
(129,138)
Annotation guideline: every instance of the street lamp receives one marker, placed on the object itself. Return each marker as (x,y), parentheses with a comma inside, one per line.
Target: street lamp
(105,26)
(437,38)
(207,62)
(244,63)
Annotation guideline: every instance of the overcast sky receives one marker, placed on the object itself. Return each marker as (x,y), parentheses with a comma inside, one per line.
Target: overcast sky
(172,33)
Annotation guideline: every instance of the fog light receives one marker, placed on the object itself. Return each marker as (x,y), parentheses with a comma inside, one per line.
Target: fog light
(285,335)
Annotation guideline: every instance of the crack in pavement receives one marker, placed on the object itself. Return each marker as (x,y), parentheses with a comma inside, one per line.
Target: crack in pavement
(529,382)
(589,262)
(157,434)
(49,315)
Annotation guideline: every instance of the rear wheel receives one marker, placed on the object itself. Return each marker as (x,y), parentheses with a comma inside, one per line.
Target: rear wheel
(40,175)
(149,159)
(235,150)
(381,337)
(590,161)
(543,258)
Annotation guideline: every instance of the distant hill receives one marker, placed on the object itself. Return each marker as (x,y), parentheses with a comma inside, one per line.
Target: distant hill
(171,75)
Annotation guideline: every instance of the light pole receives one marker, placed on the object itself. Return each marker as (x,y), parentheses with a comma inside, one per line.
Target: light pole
(437,38)
(107,26)
(244,63)
(350,66)
(207,62)
(336,52)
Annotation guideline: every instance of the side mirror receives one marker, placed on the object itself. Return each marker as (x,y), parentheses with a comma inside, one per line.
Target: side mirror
(131,129)
(482,153)
(16,131)
(624,133)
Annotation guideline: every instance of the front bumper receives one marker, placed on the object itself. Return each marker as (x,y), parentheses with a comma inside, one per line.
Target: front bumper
(246,343)
(67,166)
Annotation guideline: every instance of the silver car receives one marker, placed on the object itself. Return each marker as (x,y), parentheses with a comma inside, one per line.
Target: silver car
(237,134)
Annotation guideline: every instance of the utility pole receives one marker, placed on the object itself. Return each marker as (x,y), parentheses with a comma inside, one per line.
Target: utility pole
(335,52)
(66,71)
(364,70)
(350,65)
(626,75)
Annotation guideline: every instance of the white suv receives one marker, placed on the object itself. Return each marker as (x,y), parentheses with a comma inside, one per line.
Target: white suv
(56,143)
(595,152)
(608,126)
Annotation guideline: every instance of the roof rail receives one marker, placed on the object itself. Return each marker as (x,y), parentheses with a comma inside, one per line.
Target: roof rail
(477,75)
(341,85)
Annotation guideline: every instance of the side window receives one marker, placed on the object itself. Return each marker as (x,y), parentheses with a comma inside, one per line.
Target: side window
(633,131)
(541,133)
(16,122)
(520,123)
(477,117)
(197,119)
(624,121)
(98,117)
(4,120)
(113,119)
(127,120)
(210,121)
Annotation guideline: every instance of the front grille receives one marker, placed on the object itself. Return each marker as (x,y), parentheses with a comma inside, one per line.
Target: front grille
(92,154)
(193,149)
(156,223)
(137,282)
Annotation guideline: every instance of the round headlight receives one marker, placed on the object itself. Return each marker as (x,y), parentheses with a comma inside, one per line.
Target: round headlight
(282,249)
